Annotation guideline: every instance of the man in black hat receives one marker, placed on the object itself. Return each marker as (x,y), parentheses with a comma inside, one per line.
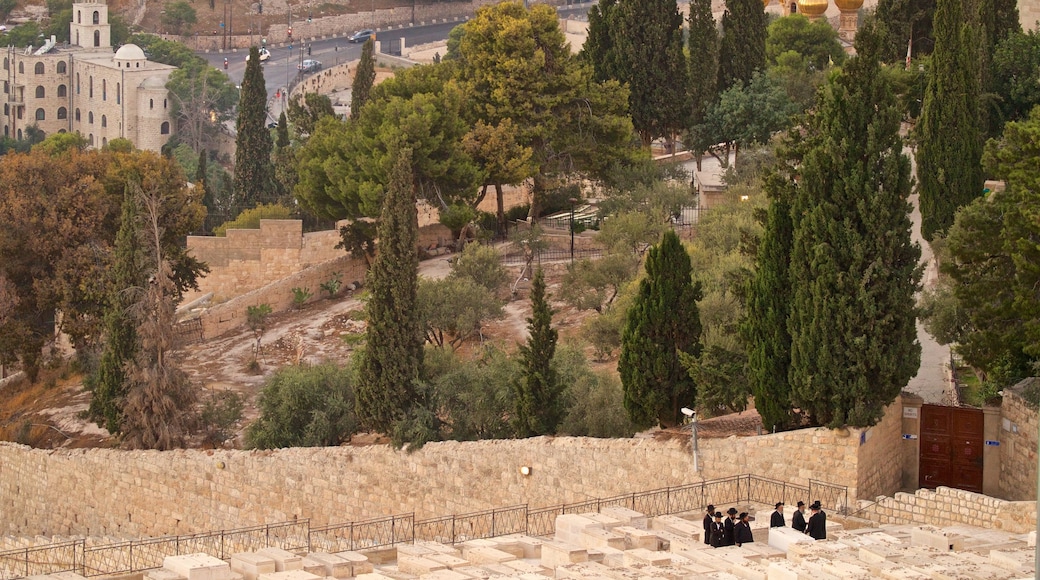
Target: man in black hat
(718,531)
(798,519)
(742,530)
(817,526)
(707,524)
(777,519)
(731,521)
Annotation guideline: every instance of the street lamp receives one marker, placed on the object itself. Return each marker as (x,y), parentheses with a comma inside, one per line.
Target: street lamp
(693,434)
(573,201)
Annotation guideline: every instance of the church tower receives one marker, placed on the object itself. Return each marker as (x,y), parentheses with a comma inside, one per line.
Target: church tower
(90,28)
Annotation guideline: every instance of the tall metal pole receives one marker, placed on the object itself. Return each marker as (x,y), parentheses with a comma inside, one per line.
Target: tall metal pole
(693,432)
(1036,554)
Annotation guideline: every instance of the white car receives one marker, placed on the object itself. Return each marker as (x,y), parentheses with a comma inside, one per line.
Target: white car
(264,55)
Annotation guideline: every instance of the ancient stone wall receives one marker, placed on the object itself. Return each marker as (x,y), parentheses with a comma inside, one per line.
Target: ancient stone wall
(1018,435)
(947,507)
(880,454)
(112,492)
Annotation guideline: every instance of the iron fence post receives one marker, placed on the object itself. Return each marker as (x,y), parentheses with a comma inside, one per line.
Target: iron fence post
(27,563)
(130,560)
(493,523)
(393,531)
(351,536)
(453,528)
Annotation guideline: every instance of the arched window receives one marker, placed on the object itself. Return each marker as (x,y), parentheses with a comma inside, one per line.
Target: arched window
(97,17)
(61,130)
(41,115)
(77,116)
(19,134)
(97,38)
(40,92)
(90,140)
(77,38)
(90,86)
(7,130)
(79,17)
(21,68)
(104,141)
(63,113)
(7,87)
(20,109)
(90,117)
(77,83)
(7,109)
(62,67)
(151,103)
(164,129)
(62,91)
(119,94)
(39,68)
(164,103)
(104,89)
(104,120)
(7,63)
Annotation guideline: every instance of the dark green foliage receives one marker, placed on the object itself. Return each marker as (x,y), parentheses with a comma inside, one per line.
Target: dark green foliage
(304,407)
(364,77)
(305,111)
(393,357)
(899,21)
(220,412)
(742,50)
(600,50)
(703,46)
(662,322)
(120,347)
(854,270)
(538,391)
(475,396)
(178,17)
(282,141)
(1016,68)
(949,134)
(817,42)
(254,173)
(998,19)
(596,399)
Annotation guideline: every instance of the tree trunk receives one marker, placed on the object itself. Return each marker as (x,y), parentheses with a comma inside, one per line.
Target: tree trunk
(500,199)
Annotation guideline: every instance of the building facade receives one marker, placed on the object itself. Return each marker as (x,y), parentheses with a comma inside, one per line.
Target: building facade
(86,88)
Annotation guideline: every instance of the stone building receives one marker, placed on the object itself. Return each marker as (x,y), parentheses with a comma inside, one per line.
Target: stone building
(86,88)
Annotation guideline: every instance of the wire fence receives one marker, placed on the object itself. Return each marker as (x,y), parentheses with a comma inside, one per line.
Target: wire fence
(299,536)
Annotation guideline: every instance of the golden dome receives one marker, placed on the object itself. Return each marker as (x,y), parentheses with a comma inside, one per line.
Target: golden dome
(848,5)
(812,8)
(766,3)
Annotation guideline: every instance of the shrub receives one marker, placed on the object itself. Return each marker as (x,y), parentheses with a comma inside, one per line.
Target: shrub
(596,400)
(250,218)
(332,285)
(300,296)
(305,406)
(220,412)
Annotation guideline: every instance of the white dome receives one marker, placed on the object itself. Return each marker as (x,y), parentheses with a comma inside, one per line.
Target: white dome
(130,52)
(154,83)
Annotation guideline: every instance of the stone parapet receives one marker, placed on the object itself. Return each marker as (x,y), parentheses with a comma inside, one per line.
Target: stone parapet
(947,506)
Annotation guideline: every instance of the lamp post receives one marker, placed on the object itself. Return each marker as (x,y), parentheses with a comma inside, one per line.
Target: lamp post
(573,201)
(693,435)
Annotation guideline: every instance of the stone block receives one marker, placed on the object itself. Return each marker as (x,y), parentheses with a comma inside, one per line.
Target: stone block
(284,560)
(449,561)
(678,526)
(936,538)
(313,566)
(639,538)
(414,550)
(445,575)
(1014,560)
(644,557)
(198,567)
(783,538)
(290,575)
(359,563)
(677,543)
(532,547)
(418,565)
(604,520)
(526,567)
(487,556)
(626,516)
(559,554)
(509,546)
(600,538)
(847,570)
(250,564)
(1031,539)
(611,557)
(335,566)
(782,570)
(570,527)
(162,574)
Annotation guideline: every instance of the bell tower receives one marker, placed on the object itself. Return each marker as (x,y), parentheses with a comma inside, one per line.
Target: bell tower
(90,27)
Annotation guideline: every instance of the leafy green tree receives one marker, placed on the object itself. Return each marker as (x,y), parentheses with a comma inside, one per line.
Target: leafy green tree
(595,399)
(751,113)
(999,20)
(600,50)
(305,111)
(203,99)
(1016,65)
(282,139)
(949,135)
(254,174)
(179,17)
(364,78)
(304,406)
(742,50)
(816,41)
(393,357)
(164,51)
(474,396)
(854,270)
(6,6)
(109,385)
(702,45)
(905,24)
(457,307)
(662,322)
(483,265)
(538,391)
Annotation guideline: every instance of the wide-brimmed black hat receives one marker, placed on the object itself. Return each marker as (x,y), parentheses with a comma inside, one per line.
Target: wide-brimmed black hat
(743,515)
(718,515)
(711,508)
(801,504)
(815,506)
(778,504)
(731,511)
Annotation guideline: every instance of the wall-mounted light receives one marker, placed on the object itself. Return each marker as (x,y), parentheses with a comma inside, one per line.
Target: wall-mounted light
(525,470)
(220,465)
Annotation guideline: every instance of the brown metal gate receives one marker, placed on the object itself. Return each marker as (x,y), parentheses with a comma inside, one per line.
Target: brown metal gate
(951,447)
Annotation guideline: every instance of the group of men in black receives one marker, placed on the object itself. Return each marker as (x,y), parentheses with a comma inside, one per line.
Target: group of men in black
(736,529)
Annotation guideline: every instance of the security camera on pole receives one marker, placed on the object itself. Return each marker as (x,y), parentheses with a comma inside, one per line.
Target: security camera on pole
(693,434)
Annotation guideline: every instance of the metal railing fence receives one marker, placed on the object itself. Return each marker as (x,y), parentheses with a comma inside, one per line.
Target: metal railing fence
(299,536)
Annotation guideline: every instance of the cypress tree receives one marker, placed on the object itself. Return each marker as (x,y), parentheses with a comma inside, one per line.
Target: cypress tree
(393,355)
(742,49)
(703,48)
(854,270)
(538,394)
(600,50)
(662,322)
(949,154)
(364,78)
(282,140)
(120,347)
(999,19)
(254,174)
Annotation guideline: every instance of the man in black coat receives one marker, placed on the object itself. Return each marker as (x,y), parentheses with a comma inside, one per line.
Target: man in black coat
(742,530)
(798,519)
(730,523)
(708,521)
(718,531)
(777,519)
(817,526)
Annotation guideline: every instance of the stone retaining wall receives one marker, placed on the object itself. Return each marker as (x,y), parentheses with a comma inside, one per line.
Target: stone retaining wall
(113,492)
(1018,435)
(947,507)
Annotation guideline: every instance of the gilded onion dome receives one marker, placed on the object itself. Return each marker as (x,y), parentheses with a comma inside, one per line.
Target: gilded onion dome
(813,8)
(848,5)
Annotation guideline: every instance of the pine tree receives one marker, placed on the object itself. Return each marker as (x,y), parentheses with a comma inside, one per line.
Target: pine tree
(538,393)
(854,270)
(600,51)
(949,154)
(282,133)
(703,48)
(999,19)
(651,42)
(253,170)
(742,50)
(120,347)
(364,78)
(662,322)
(393,355)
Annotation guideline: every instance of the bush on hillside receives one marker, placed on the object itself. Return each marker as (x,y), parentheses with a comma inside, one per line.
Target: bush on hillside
(250,218)
(305,406)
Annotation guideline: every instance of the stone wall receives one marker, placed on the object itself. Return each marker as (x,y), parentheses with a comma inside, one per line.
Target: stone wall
(113,492)
(1018,435)
(948,507)
(880,454)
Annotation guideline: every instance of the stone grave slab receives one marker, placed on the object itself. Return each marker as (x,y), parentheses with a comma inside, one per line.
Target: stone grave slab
(283,559)
(290,575)
(627,516)
(251,564)
(560,554)
(198,567)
